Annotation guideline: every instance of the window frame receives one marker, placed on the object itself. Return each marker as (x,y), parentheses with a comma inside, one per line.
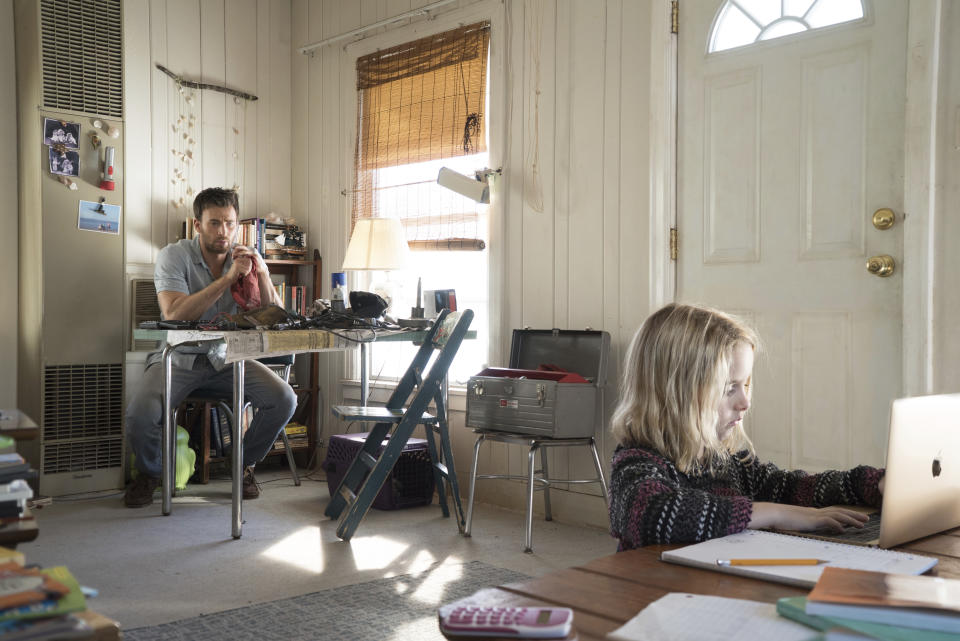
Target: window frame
(866,20)
(491,10)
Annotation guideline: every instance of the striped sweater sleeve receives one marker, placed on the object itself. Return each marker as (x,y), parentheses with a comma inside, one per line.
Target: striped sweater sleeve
(767,482)
(652,503)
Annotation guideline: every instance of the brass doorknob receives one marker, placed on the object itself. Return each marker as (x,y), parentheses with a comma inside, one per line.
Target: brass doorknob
(882,265)
(884,218)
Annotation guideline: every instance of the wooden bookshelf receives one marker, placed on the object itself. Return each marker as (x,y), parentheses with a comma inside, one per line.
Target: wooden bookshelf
(310,273)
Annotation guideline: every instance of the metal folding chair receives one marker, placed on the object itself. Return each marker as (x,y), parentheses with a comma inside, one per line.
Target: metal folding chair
(371,467)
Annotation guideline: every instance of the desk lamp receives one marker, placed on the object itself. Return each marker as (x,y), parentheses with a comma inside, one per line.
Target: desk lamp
(376,244)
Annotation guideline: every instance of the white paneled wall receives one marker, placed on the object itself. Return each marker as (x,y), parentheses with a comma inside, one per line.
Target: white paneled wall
(240,44)
(571,211)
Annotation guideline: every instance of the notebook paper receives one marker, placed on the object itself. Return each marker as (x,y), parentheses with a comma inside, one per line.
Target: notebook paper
(680,616)
(770,545)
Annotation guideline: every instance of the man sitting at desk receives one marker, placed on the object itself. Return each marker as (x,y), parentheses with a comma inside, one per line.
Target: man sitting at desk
(193,280)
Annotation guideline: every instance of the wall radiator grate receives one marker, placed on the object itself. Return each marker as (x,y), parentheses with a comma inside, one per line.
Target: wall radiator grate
(82,419)
(82,58)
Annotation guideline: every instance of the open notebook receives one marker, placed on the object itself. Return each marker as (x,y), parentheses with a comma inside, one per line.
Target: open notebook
(922,486)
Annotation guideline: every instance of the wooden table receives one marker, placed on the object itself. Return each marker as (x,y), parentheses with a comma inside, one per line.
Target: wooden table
(607,592)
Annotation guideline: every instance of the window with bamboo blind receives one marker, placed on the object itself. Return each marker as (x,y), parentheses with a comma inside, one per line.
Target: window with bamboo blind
(422,106)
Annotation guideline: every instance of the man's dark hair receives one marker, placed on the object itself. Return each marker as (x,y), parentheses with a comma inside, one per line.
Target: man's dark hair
(215,197)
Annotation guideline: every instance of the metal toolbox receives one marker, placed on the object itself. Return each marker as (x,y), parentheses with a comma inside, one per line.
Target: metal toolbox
(551,389)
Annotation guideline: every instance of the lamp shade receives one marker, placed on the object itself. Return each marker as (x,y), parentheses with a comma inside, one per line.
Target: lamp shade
(377,243)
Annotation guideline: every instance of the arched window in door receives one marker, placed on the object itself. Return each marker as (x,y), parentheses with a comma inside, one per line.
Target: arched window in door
(744,22)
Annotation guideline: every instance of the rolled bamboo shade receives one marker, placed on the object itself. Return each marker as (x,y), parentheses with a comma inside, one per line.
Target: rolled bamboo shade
(421,101)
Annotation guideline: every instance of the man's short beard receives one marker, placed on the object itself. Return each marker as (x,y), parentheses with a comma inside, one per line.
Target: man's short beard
(213,249)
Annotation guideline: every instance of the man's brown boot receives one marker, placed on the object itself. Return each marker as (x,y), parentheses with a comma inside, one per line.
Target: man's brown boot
(251,489)
(139,492)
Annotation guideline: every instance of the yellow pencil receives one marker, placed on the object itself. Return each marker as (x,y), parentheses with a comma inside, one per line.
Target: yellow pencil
(770,561)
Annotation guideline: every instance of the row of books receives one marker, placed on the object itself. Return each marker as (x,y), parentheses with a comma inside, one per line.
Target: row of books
(221,435)
(293,298)
(273,240)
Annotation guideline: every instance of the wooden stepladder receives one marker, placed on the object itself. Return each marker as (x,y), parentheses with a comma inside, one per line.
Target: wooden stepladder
(372,467)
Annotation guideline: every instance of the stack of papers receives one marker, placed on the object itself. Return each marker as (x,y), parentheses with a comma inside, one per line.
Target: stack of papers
(680,616)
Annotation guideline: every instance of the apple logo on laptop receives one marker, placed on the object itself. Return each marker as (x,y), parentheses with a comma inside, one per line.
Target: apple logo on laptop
(936,467)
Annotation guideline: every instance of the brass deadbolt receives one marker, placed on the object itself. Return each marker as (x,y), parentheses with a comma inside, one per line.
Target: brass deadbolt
(882,265)
(884,218)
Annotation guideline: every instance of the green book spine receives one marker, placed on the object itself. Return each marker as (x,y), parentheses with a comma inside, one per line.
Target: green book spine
(796,608)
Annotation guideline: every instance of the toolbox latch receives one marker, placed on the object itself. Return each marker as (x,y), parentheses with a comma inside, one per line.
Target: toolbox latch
(541,393)
(478,388)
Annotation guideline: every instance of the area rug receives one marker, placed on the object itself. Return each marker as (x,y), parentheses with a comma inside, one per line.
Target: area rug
(400,607)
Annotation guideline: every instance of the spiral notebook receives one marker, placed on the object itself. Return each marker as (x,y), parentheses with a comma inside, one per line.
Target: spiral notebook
(760,544)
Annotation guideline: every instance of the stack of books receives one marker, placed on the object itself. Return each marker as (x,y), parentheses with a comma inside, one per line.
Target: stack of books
(14,490)
(13,499)
(296,434)
(847,604)
(283,241)
(38,603)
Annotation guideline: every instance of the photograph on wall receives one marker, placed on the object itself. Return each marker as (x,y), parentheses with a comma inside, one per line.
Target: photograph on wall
(100,217)
(61,132)
(66,163)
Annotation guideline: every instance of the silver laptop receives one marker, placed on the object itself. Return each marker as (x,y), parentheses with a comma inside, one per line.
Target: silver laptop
(922,488)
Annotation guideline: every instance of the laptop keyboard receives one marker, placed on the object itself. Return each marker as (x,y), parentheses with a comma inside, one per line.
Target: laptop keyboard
(869,532)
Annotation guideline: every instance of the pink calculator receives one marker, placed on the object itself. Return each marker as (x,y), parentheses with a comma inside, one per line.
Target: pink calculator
(519,622)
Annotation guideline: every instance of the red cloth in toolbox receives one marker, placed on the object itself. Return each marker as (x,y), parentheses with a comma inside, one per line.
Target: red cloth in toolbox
(534,374)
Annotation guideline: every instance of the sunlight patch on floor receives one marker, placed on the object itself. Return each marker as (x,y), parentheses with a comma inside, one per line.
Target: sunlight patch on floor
(301,549)
(424,628)
(422,562)
(375,552)
(432,586)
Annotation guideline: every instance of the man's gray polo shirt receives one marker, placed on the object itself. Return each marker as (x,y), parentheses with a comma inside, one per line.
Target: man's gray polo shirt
(180,268)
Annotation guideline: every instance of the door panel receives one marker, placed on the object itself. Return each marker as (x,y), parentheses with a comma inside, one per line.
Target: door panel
(785,150)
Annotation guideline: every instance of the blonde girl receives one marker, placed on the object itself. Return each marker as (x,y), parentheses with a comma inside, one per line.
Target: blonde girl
(684,469)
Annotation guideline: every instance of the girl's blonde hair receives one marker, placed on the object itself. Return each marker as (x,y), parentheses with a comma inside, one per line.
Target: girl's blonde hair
(673,378)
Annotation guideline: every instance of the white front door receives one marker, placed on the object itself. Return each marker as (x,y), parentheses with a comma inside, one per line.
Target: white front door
(786,148)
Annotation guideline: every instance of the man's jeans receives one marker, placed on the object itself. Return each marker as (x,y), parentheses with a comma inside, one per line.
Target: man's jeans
(273,401)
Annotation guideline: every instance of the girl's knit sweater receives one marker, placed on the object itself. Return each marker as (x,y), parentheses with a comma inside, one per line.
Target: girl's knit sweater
(652,502)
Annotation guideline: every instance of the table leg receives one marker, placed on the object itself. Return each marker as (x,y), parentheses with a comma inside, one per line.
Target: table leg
(364,381)
(473,485)
(238,371)
(167,452)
